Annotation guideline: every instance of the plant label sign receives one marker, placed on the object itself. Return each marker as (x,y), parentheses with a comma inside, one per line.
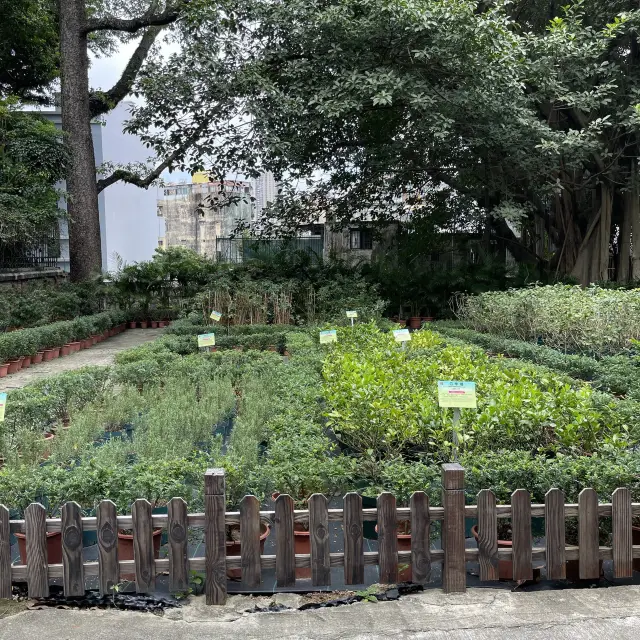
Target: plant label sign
(3,404)
(328,336)
(352,314)
(457,394)
(216,315)
(206,340)
(401,335)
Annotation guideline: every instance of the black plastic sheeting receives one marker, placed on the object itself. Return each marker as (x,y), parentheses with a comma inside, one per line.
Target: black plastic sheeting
(93,600)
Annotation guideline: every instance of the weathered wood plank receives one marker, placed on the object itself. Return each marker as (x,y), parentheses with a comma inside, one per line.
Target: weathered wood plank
(353,540)
(215,537)
(108,568)
(143,546)
(35,530)
(387,538)
(73,571)
(5,553)
(420,540)
(285,548)
(521,535)
(250,541)
(454,575)
(178,534)
(622,538)
(554,527)
(319,539)
(488,535)
(588,535)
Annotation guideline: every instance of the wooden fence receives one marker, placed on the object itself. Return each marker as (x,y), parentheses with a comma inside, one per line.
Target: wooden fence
(215,564)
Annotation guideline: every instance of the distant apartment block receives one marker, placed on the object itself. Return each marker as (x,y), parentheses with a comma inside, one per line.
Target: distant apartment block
(197,214)
(266,190)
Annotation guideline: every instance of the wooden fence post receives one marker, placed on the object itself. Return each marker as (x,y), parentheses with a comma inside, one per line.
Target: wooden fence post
(454,575)
(215,536)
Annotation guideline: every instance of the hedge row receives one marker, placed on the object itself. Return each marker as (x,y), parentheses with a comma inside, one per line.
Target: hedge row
(27,342)
(619,375)
(186,327)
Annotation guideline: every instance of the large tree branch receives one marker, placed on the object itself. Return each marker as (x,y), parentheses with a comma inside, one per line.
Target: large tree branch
(103,102)
(132,25)
(132,178)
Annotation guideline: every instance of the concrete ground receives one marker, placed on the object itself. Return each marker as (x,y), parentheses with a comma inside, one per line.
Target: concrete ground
(100,354)
(482,614)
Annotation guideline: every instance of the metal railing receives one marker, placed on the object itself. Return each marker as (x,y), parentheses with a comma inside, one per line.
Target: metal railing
(238,250)
(39,253)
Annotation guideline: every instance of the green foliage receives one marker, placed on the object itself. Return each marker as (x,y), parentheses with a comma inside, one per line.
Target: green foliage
(591,321)
(614,374)
(32,160)
(383,401)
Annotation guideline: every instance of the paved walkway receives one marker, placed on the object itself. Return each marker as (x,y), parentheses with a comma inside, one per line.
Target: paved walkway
(480,614)
(100,354)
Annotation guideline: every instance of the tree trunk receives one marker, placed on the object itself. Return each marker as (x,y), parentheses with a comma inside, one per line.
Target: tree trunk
(592,262)
(82,202)
(634,214)
(630,211)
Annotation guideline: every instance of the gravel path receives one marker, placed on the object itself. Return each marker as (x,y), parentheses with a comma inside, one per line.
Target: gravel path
(100,354)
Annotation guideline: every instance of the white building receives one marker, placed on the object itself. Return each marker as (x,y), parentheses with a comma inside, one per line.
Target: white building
(266,190)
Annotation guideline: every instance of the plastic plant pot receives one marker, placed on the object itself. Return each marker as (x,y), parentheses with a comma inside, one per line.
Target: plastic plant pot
(143,324)
(55,353)
(14,366)
(54,547)
(26,362)
(65,350)
(4,368)
(37,359)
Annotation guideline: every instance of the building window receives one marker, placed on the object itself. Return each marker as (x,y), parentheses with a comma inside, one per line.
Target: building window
(360,239)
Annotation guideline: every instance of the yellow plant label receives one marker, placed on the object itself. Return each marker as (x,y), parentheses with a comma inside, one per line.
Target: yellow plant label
(401,335)
(328,336)
(3,404)
(457,394)
(206,340)
(352,314)
(216,315)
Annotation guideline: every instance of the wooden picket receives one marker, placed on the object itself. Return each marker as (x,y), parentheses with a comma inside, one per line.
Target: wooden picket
(252,562)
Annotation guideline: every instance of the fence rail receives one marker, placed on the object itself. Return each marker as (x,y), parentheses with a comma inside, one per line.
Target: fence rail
(320,560)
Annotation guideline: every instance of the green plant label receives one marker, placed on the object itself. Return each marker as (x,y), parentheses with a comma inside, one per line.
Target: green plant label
(3,404)
(402,335)
(328,336)
(457,394)
(216,315)
(206,340)
(352,314)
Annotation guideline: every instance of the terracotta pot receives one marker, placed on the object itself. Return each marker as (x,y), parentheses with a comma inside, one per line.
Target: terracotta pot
(132,325)
(162,324)
(111,332)
(505,567)
(4,368)
(14,366)
(154,324)
(87,342)
(26,362)
(143,324)
(47,355)
(65,350)
(37,359)
(48,437)
(54,547)
(55,353)
(95,340)
(125,549)
(415,322)
(75,347)
(404,544)
(233,549)
(427,319)
(302,545)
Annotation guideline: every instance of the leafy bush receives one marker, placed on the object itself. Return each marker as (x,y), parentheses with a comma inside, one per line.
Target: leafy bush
(592,321)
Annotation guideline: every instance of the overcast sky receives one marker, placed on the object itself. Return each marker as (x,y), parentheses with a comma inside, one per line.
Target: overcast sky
(104,73)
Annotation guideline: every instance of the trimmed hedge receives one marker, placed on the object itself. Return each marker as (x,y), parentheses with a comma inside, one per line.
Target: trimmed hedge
(619,375)
(27,342)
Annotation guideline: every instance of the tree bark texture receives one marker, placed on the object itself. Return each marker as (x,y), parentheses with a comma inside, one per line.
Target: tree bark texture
(592,262)
(82,201)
